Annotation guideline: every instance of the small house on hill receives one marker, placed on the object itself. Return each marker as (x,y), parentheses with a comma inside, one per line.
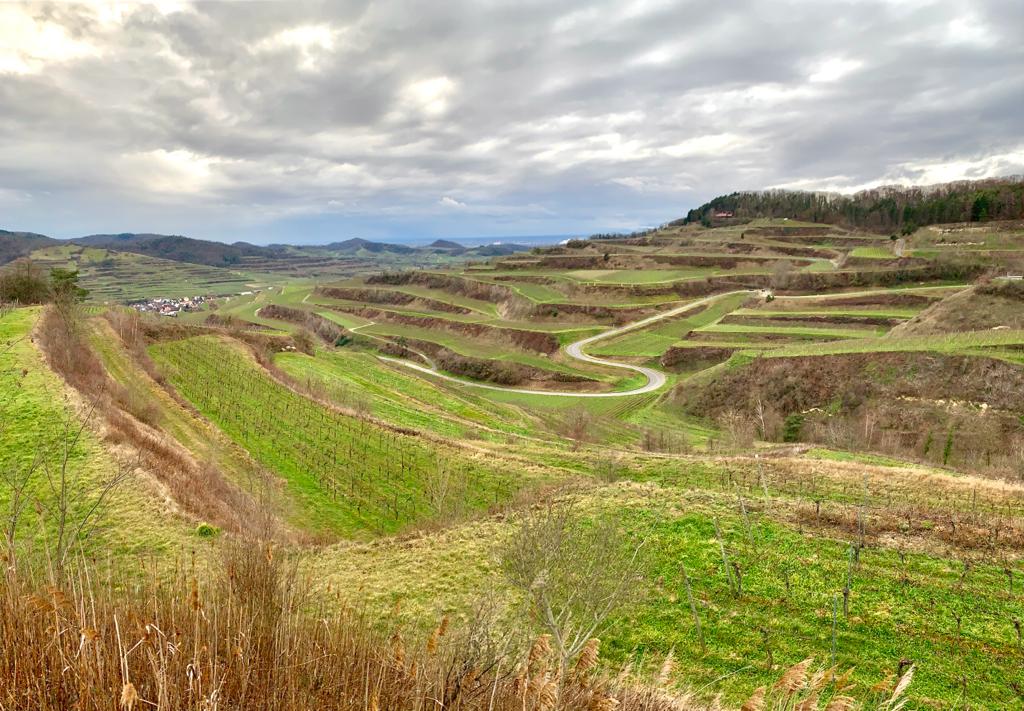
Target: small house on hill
(724,213)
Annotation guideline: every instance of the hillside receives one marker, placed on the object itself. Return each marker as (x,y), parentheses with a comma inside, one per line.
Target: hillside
(890,209)
(180,249)
(14,245)
(760,405)
(996,305)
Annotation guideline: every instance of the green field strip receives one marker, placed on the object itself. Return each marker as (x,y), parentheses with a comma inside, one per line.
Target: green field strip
(794,331)
(869,313)
(403,399)
(349,476)
(37,412)
(940,343)
(660,336)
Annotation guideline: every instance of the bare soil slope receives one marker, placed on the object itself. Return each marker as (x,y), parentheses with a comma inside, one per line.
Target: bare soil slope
(999,304)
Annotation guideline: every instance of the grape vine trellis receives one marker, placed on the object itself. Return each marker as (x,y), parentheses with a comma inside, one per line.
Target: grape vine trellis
(350,474)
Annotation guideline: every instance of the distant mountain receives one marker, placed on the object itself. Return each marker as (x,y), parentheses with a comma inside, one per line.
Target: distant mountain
(886,209)
(351,246)
(497,250)
(218,254)
(119,240)
(446,245)
(180,249)
(20,244)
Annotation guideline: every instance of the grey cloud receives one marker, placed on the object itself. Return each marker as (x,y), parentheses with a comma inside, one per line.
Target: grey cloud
(543,117)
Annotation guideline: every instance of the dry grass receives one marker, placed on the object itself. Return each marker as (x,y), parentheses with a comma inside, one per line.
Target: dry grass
(247,636)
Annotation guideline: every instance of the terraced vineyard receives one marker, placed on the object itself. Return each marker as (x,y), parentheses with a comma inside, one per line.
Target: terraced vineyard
(349,475)
(816,432)
(118,277)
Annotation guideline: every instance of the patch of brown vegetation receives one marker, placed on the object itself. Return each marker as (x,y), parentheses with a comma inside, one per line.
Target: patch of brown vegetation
(991,305)
(537,341)
(493,293)
(324,329)
(692,358)
(389,297)
(247,634)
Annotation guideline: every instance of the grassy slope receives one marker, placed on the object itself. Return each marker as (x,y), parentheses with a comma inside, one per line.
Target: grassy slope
(349,476)
(35,409)
(896,610)
(407,400)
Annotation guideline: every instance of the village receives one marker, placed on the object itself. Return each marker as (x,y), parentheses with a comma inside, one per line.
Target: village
(170,306)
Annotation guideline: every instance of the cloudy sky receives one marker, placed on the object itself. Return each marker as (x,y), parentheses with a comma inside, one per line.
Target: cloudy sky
(307,122)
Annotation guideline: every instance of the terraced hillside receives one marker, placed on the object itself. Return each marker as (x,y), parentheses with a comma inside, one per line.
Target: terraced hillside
(816,433)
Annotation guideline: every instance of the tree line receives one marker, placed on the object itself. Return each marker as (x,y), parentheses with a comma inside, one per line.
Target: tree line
(884,209)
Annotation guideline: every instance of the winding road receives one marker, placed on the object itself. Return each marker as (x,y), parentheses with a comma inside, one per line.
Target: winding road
(655,378)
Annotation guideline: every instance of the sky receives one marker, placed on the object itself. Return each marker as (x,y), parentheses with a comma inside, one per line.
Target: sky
(308,122)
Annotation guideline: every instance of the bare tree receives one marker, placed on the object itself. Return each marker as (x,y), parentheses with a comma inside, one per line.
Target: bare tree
(447,490)
(575,573)
(15,480)
(738,430)
(577,426)
(781,274)
(74,500)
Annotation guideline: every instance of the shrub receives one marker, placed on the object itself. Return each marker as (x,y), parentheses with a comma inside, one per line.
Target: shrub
(791,427)
(24,283)
(205,530)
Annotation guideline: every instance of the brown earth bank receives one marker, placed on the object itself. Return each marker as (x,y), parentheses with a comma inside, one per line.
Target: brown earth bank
(799,283)
(493,293)
(907,299)
(324,329)
(752,261)
(838,240)
(749,338)
(527,278)
(537,341)
(812,321)
(593,312)
(800,384)
(681,358)
(390,297)
(998,303)
(492,371)
(947,411)
(768,249)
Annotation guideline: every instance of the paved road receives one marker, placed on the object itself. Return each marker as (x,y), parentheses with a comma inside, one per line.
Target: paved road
(655,378)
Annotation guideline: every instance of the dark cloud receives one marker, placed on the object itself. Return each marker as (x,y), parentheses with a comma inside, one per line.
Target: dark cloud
(317,120)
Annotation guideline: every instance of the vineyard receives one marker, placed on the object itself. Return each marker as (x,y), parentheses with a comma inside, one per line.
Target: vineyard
(350,476)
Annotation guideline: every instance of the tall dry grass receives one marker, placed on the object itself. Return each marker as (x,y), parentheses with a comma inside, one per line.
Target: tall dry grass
(245,634)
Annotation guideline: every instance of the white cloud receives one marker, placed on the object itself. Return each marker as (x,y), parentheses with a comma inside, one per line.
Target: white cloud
(265,111)
(429,96)
(969,30)
(920,173)
(28,45)
(312,42)
(11,197)
(168,172)
(834,69)
(714,144)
